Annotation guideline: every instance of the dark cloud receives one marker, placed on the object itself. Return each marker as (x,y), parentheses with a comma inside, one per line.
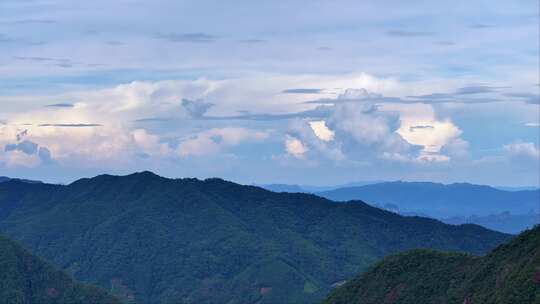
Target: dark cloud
(6,39)
(11,40)
(319,112)
(530,98)
(24,146)
(324,48)
(188,37)
(45,155)
(303,91)
(196,108)
(421,127)
(479,26)
(22,135)
(478,89)
(59,62)
(445,43)
(378,99)
(461,95)
(28,21)
(251,41)
(114,43)
(402,33)
(78,125)
(153,119)
(60,105)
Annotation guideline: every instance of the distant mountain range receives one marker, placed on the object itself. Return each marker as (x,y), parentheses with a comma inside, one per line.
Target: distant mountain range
(510,274)
(474,203)
(25,278)
(505,209)
(150,240)
(292,188)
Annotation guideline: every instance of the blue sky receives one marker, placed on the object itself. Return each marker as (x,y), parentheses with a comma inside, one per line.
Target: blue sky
(309,92)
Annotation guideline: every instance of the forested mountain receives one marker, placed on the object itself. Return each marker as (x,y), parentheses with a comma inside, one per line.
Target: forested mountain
(446,201)
(510,275)
(26,279)
(190,241)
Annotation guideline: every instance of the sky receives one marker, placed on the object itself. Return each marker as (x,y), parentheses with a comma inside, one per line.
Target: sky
(305,91)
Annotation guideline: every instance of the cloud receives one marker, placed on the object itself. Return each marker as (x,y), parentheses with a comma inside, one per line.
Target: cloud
(196,108)
(25,146)
(356,95)
(479,26)
(28,21)
(477,89)
(188,37)
(522,151)
(321,130)
(529,98)
(252,41)
(295,147)
(45,155)
(71,125)
(60,105)
(214,140)
(405,34)
(421,127)
(302,91)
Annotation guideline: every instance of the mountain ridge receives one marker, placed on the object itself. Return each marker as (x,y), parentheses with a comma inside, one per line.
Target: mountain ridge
(244,243)
(509,274)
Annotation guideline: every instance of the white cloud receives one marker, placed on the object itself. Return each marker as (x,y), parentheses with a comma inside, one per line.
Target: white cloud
(419,126)
(522,151)
(295,147)
(215,140)
(321,130)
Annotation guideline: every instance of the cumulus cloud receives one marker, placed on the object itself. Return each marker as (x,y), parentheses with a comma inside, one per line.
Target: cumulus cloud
(215,140)
(295,147)
(321,130)
(522,151)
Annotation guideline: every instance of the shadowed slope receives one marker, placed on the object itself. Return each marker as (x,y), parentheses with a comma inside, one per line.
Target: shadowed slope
(509,275)
(27,279)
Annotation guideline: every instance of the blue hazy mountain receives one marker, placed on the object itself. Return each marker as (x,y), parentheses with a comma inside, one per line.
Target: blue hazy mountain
(454,203)
(293,188)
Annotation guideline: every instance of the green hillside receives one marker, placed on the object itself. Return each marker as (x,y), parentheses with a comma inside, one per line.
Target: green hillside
(189,241)
(25,279)
(508,275)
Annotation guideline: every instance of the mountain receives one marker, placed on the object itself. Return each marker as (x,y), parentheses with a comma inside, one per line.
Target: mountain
(292,188)
(164,240)
(25,278)
(5,179)
(517,188)
(510,275)
(284,188)
(504,221)
(443,201)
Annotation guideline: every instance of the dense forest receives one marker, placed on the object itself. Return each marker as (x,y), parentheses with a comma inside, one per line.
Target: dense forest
(508,275)
(26,279)
(155,240)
